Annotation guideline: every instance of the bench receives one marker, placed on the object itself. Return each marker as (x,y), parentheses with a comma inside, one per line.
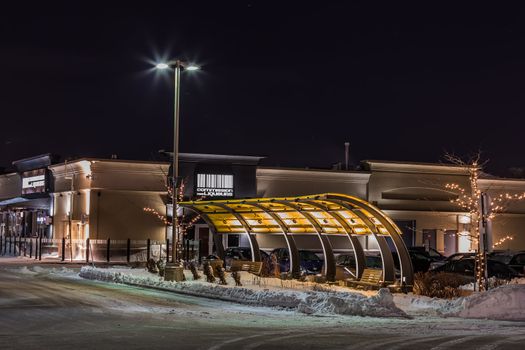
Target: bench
(371,279)
(254,267)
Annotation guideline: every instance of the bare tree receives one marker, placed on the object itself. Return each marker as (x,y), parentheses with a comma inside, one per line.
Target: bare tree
(481,212)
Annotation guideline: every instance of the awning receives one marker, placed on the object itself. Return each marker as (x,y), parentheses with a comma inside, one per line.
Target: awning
(318,215)
(13,201)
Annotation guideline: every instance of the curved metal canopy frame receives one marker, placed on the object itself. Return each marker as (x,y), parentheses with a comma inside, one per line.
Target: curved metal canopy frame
(405,263)
(216,236)
(295,266)
(254,246)
(360,260)
(329,261)
(319,215)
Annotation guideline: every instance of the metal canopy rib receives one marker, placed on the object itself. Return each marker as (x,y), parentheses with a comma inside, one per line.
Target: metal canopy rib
(290,242)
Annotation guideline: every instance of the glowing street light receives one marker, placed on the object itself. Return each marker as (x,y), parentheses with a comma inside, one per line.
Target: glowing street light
(177,65)
(162,66)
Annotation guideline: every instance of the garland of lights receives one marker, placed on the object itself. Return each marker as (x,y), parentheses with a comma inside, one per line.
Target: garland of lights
(503,240)
(182,226)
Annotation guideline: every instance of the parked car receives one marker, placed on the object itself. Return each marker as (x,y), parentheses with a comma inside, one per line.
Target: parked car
(504,256)
(239,253)
(466,267)
(309,262)
(420,262)
(431,253)
(453,257)
(517,262)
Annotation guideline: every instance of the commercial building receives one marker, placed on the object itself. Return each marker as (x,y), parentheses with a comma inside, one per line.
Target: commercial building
(118,199)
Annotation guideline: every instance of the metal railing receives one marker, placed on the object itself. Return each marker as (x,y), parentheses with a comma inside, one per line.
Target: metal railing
(89,250)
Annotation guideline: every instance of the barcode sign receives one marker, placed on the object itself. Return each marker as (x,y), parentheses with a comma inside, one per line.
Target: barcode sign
(214,185)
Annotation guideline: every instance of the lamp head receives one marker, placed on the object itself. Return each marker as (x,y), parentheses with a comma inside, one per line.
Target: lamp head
(162,65)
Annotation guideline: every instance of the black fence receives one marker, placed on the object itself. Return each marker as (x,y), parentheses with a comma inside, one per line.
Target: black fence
(94,250)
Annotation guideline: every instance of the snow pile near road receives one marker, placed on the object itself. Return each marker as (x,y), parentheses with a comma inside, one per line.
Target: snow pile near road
(503,303)
(423,305)
(308,302)
(506,302)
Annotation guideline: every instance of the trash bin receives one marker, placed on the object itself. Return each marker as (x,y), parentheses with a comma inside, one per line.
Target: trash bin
(174,272)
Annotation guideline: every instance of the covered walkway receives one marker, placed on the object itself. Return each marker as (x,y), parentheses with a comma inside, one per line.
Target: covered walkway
(317,216)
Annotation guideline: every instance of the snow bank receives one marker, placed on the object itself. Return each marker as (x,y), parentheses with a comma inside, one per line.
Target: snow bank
(506,302)
(423,305)
(503,303)
(308,302)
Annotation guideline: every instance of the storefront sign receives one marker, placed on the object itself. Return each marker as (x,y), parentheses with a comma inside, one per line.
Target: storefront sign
(214,185)
(34,182)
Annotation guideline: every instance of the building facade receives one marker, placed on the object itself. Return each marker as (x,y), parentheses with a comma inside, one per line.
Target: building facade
(118,199)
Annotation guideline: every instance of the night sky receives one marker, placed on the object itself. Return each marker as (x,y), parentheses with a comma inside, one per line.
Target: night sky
(292,81)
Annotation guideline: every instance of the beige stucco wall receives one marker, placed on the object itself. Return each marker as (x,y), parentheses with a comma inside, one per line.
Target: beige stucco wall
(109,197)
(120,215)
(277,182)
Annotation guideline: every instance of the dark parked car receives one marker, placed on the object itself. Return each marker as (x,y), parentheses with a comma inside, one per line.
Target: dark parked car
(466,267)
(517,262)
(431,253)
(239,253)
(309,262)
(453,257)
(420,261)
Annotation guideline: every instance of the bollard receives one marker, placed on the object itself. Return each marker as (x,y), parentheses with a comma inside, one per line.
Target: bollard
(36,248)
(63,248)
(148,250)
(87,250)
(108,248)
(128,251)
(40,250)
(30,248)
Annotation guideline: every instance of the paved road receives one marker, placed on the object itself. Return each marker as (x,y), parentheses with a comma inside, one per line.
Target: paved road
(46,311)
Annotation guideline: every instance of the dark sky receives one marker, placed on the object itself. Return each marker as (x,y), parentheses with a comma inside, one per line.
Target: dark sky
(289,80)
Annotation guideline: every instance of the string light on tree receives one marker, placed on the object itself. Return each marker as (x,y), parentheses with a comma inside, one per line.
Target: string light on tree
(503,240)
(469,199)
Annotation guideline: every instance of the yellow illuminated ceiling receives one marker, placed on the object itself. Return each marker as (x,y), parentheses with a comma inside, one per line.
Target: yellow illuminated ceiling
(328,213)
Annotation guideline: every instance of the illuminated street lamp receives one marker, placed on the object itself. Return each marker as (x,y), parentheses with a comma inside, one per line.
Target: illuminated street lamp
(177,66)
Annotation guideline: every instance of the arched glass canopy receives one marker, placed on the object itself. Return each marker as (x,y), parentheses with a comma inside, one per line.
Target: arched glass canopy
(320,216)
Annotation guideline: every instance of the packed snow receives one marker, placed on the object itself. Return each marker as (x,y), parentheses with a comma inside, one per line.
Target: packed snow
(504,303)
(307,301)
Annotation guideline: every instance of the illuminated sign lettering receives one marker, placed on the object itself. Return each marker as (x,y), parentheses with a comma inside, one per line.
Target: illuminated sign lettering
(34,181)
(214,185)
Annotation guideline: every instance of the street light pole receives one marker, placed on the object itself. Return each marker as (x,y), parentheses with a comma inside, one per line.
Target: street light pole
(177,65)
(175,166)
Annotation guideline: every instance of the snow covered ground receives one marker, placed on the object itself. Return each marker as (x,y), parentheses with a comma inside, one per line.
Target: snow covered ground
(503,303)
(261,292)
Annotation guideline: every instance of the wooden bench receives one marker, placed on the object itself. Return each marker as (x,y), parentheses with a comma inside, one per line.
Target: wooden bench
(371,279)
(254,267)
